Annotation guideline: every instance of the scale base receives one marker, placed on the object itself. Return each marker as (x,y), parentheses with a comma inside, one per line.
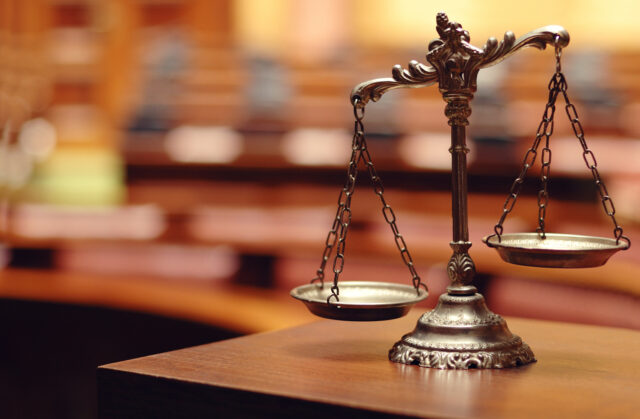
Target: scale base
(461,333)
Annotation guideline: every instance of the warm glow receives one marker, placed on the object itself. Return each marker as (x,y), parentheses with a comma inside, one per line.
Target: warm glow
(274,26)
(611,24)
(262,26)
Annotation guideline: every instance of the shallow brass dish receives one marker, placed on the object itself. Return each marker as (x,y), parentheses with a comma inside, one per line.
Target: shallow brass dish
(360,300)
(556,250)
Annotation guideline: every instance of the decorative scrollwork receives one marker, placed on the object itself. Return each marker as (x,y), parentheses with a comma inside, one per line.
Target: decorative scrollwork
(455,62)
(461,268)
(442,359)
(416,75)
(434,317)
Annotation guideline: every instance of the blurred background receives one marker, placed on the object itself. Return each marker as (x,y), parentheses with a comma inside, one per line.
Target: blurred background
(169,170)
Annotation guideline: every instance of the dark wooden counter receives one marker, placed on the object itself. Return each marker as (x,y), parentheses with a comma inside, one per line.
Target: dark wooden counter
(339,369)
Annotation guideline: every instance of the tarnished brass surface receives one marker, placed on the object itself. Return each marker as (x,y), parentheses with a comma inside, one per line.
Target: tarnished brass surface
(568,250)
(360,300)
(556,250)
(461,333)
(337,236)
(420,75)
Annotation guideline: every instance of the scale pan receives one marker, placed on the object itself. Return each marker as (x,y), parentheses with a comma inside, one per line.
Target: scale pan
(360,300)
(556,250)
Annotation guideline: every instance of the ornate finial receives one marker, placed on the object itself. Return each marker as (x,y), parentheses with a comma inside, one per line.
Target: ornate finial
(457,61)
(442,21)
(452,52)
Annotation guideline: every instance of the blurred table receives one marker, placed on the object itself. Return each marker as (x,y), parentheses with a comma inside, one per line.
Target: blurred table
(230,307)
(339,369)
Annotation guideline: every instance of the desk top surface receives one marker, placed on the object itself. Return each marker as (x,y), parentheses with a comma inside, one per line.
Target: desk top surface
(582,371)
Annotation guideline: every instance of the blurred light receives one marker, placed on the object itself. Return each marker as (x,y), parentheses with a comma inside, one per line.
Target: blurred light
(80,123)
(37,138)
(429,150)
(141,222)
(16,167)
(253,225)
(316,147)
(73,46)
(614,155)
(79,176)
(203,263)
(201,144)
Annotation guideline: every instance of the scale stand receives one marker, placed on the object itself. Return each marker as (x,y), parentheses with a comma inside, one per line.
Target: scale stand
(461,332)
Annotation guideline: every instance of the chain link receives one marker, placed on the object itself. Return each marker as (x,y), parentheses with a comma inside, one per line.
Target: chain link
(390,218)
(338,233)
(336,238)
(557,85)
(547,125)
(592,164)
(545,130)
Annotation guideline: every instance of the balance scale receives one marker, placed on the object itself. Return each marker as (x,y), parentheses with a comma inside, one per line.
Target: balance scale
(461,332)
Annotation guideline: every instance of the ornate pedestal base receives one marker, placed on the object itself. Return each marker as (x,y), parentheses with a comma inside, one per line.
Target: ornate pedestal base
(461,333)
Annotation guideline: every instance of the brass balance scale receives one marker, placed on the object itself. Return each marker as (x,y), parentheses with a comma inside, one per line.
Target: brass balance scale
(461,332)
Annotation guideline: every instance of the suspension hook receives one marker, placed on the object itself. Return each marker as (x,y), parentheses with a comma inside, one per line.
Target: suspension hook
(558,54)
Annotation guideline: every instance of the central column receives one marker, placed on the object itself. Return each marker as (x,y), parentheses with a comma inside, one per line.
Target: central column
(460,268)
(461,331)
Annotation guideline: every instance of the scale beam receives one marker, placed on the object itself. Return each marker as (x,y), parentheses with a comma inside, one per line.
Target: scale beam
(456,40)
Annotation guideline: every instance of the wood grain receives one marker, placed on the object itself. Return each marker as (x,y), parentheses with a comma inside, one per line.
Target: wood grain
(342,369)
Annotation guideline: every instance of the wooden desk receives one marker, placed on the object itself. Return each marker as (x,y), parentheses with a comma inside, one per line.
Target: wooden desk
(338,369)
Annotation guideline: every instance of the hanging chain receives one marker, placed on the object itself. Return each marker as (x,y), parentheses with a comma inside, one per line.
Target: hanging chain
(592,164)
(558,84)
(547,126)
(390,218)
(340,226)
(545,129)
